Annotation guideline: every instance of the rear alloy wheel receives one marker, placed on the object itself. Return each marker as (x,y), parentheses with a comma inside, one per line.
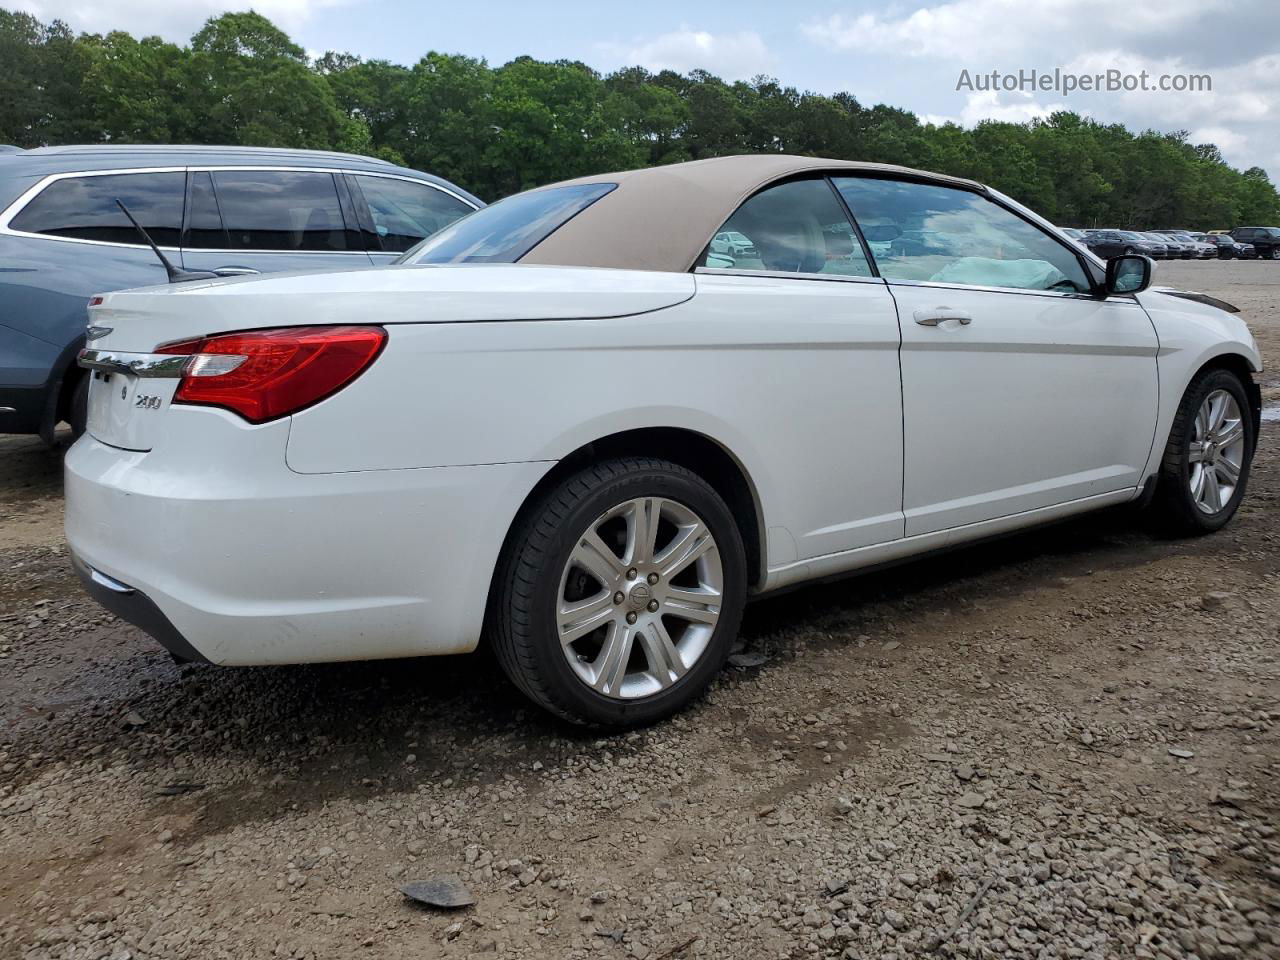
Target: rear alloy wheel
(621,593)
(1207,459)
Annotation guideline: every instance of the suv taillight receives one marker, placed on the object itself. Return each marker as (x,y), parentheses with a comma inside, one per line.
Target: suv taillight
(265,374)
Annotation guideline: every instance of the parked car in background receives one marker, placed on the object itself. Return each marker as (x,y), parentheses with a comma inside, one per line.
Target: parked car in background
(534,431)
(1200,249)
(1187,247)
(1110,243)
(1077,235)
(732,244)
(1265,240)
(1162,248)
(230,210)
(1227,249)
(1141,243)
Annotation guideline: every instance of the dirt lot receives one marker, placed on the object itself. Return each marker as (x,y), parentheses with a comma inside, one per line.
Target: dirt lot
(1061,745)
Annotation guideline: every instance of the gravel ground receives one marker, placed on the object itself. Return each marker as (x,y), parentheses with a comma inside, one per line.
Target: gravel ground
(1061,745)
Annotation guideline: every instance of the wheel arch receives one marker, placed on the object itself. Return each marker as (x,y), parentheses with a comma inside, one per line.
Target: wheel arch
(1243,367)
(63,379)
(695,451)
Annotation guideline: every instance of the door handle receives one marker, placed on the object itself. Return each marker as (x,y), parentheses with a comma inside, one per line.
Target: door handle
(932,316)
(235,271)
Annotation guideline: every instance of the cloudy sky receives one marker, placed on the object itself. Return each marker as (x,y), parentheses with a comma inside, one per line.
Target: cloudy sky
(908,54)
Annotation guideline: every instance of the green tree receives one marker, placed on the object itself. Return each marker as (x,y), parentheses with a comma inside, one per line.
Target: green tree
(252,85)
(494,130)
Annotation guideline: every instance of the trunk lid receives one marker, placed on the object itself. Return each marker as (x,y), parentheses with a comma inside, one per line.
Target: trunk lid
(126,409)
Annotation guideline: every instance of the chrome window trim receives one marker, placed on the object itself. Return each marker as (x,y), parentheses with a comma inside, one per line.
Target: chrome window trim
(1060,294)
(785,275)
(36,189)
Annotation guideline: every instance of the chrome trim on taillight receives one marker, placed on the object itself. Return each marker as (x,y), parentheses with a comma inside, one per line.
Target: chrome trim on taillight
(135,364)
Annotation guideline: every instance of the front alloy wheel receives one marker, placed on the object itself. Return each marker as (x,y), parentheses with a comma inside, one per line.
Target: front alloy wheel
(1217,452)
(620,593)
(1207,457)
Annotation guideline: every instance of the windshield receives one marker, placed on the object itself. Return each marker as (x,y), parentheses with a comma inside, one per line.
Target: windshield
(505,231)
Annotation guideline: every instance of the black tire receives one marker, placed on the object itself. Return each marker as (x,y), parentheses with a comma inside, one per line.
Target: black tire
(522,615)
(1275,253)
(1173,510)
(1129,251)
(78,411)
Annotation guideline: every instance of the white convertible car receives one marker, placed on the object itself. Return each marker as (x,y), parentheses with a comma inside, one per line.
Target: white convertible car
(567,427)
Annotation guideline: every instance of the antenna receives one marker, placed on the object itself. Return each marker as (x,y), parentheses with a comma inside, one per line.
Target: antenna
(176,274)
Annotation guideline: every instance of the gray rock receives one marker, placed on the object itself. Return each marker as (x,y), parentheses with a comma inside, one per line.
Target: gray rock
(445,891)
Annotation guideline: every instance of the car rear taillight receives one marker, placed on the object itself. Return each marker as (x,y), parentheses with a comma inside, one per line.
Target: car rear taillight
(265,374)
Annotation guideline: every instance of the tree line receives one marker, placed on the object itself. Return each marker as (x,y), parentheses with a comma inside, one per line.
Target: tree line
(497,130)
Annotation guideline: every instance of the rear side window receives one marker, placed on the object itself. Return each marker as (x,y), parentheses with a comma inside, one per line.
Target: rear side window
(272,210)
(404,212)
(85,208)
(505,231)
(794,227)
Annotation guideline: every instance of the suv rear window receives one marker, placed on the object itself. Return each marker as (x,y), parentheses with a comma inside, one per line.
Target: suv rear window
(404,211)
(84,208)
(507,230)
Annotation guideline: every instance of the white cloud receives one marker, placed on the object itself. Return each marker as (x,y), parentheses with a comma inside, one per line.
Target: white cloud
(175,21)
(734,56)
(1085,37)
(989,105)
(988,29)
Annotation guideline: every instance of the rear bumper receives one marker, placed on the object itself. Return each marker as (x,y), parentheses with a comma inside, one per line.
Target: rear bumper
(133,606)
(235,559)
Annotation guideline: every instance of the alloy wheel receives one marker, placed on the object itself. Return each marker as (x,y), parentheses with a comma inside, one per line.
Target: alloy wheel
(1216,452)
(639,598)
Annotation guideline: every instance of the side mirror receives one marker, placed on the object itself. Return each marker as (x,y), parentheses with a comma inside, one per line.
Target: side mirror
(1129,274)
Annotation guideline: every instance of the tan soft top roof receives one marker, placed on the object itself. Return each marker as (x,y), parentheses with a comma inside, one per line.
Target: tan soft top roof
(661,218)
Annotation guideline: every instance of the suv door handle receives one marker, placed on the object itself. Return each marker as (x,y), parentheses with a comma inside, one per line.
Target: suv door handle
(932,316)
(235,271)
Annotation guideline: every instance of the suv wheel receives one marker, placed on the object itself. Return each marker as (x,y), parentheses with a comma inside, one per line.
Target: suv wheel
(620,593)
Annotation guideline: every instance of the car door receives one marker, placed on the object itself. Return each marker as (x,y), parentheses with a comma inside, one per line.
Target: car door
(252,220)
(1022,389)
(815,336)
(395,213)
